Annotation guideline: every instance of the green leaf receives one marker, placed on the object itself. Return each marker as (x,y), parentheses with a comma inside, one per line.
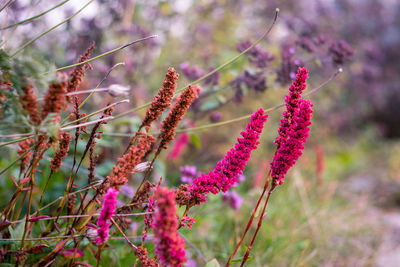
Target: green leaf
(195,140)
(241,259)
(208,105)
(213,263)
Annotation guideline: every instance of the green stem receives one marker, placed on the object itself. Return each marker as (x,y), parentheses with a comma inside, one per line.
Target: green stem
(15,161)
(52,28)
(91,94)
(15,141)
(34,17)
(104,54)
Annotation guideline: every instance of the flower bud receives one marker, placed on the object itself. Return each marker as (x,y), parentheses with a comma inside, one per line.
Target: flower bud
(91,234)
(142,167)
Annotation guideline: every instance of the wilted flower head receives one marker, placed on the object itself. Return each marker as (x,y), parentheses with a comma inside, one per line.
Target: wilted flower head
(118,90)
(142,167)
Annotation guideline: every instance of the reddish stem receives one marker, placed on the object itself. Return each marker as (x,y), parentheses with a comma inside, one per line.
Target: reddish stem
(258,225)
(250,221)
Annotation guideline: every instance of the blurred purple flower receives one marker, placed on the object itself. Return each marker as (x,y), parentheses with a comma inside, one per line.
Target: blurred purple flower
(256,55)
(320,39)
(306,43)
(255,81)
(127,190)
(289,65)
(192,73)
(189,173)
(233,199)
(215,116)
(341,52)
(134,226)
(241,178)
(236,85)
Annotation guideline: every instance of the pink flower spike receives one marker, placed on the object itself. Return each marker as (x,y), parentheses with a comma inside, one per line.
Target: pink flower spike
(227,171)
(169,246)
(180,144)
(291,149)
(292,104)
(106,213)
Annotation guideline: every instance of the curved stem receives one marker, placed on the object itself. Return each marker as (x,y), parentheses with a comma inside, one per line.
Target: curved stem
(104,54)
(227,63)
(49,30)
(34,17)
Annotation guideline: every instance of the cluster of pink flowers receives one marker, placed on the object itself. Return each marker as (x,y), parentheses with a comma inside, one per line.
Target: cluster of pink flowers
(106,213)
(169,246)
(187,222)
(294,128)
(226,173)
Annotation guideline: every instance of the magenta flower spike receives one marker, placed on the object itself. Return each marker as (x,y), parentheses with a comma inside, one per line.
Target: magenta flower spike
(169,246)
(106,213)
(294,128)
(226,173)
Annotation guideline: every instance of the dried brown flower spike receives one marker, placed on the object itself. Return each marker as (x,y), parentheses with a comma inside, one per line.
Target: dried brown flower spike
(177,113)
(54,101)
(163,99)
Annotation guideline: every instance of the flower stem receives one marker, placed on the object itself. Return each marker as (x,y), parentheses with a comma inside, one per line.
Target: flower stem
(49,30)
(34,17)
(220,67)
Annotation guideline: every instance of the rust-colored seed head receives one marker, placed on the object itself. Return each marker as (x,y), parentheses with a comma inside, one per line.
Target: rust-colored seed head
(24,146)
(163,99)
(28,101)
(65,139)
(143,256)
(75,76)
(54,101)
(177,113)
(127,162)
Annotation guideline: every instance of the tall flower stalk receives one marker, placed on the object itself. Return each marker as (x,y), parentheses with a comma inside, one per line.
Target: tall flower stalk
(106,213)
(292,134)
(169,246)
(226,172)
